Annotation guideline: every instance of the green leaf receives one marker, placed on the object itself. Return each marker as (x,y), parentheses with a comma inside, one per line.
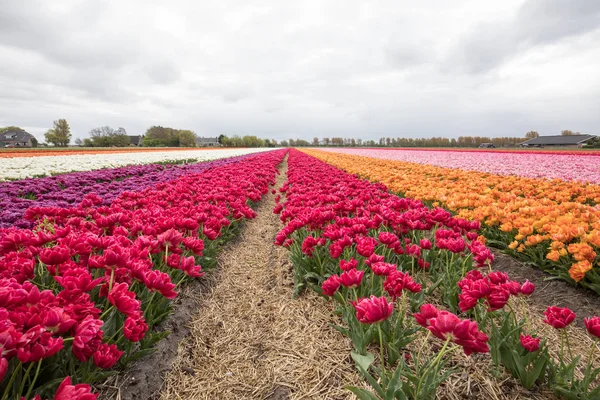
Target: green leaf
(362,394)
(364,362)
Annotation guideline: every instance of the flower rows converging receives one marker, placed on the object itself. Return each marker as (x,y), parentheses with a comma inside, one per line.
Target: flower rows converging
(81,290)
(553,223)
(565,166)
(67,190)
(28,167)
(401,273)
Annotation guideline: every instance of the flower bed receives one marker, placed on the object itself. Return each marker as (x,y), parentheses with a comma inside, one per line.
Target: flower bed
(396,268)
(552,223)
(67,190)
(28,167)
(565,166)
(81,291)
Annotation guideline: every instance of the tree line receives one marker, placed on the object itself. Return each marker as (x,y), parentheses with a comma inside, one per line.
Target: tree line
(158,136)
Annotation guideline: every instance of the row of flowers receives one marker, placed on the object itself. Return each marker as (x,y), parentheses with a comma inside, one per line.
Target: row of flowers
(68,190)
(28,167)
(396,268)
(554,224)
(529,164)
(64,151)
(81,291)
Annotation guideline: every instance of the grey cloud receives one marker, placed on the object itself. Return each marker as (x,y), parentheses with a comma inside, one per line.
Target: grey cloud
(285,70)
(488,44)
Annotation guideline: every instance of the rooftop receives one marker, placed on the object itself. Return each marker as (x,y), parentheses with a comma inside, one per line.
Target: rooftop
(558,140)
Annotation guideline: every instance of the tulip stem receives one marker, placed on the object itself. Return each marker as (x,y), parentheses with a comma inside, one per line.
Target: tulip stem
(435,362)
(588,370)
(568,344)
(25,379)
(12,379)
(37,373)
(381,350)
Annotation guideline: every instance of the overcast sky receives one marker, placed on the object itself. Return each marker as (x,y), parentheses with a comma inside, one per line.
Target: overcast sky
(302,69)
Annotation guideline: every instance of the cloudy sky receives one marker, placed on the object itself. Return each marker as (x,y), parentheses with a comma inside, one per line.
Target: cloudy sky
(283,69)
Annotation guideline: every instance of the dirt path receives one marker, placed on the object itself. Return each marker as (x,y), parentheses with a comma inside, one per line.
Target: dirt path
(583,302)
(250,339)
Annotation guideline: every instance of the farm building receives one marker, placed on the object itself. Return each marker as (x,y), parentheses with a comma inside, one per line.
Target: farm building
(136,140)
(208,142)
(558,140)
(16,138)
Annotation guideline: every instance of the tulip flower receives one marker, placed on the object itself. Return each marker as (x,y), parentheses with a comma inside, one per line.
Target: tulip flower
(352,278)
(348,265)
(331,285)
(373,309)
(106,356)
(66,391)
(559,318)
(530,343)
(527,288)
(397,281)
(593,326)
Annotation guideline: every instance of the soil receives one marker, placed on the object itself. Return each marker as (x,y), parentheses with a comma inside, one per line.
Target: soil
(583,302)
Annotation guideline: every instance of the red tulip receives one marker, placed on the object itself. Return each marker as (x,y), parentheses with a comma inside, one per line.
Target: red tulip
(348,265)
(397,281)
(124,300)
(66,391)
(38,344)
(55,255)
(427,312)
(529,343)
(88,336)
(593,326)
(352,278)
(382,268)
(527,288)
(425,244)
(106,356)
(135,329)
(331,285)
(445,325)
(559,317)
(373,309)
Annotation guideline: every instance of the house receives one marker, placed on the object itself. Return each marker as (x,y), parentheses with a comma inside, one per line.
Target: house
(16,138)
(207,142)
(136,140)
(558,140)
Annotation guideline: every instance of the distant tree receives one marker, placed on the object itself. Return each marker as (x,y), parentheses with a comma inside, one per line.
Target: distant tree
(60,134)
(78,142)
(187,138)
(532,135)
(34,142)
(87,142)
(106,136)
(221,138)
(567,132)
(359,142)
(284,143)
(326,141)
(158,136)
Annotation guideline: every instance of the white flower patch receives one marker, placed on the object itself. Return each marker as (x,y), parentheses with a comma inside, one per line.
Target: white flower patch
(29,167)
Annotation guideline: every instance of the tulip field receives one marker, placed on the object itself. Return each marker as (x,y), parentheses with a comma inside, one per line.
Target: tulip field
(543,208)
(395,245)
(28,164)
